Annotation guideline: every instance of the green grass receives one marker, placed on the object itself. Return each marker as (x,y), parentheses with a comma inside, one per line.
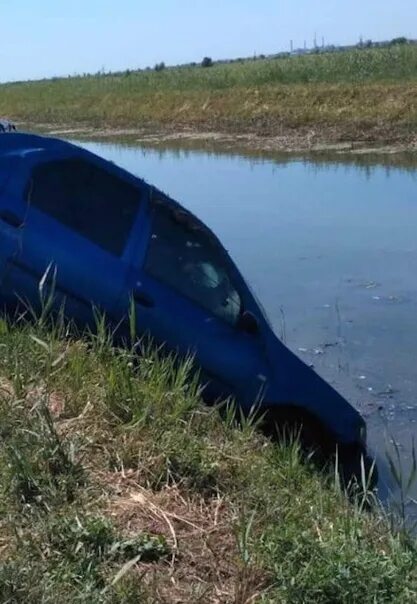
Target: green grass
(395,63)
(118,485)
(355,94)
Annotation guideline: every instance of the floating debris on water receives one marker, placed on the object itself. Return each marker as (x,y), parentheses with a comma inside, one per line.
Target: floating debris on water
(389,391)
(371,285)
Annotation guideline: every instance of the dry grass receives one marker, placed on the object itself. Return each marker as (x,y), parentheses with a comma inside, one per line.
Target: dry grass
(204,565)
(347,112)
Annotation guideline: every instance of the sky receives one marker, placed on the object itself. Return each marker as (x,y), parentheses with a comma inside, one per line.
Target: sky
(44,38)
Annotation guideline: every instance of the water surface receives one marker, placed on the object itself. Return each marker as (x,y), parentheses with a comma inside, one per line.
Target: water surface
(331,252)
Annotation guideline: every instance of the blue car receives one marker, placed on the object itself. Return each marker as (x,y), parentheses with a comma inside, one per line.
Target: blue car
(113,238)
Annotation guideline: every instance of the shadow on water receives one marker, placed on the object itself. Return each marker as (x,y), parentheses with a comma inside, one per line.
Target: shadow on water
(328,244)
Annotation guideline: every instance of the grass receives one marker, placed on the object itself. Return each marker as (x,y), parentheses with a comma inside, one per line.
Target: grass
(118,485)
(360,94)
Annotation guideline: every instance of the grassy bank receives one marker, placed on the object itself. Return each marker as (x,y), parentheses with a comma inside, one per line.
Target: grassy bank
(366,94)
(118,485)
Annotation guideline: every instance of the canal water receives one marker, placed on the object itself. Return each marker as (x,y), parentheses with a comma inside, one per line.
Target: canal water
(330,249)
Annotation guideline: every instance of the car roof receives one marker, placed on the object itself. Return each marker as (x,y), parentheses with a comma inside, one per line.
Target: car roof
(19,141)
(21,144)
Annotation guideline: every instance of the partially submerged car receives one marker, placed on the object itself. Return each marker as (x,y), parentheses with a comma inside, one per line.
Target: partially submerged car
(113,238)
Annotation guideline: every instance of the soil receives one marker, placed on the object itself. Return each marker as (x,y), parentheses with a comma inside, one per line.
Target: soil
(291,141)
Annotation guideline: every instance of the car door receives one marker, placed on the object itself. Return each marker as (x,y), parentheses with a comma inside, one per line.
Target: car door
(188,296)
(76,230)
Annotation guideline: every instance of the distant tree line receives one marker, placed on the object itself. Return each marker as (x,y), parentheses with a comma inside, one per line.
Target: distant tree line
(208,62)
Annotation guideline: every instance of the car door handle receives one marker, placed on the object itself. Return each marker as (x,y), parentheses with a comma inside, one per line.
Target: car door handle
(11,219)
(143,299)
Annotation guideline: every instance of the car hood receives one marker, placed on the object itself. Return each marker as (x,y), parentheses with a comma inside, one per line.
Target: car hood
(294,383)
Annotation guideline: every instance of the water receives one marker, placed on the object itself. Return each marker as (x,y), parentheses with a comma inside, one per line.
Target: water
(331,251)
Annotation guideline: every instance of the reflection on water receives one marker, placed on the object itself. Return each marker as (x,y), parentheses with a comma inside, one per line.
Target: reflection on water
(331,251)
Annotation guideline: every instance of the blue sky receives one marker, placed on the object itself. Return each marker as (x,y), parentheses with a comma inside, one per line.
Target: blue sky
(42,38)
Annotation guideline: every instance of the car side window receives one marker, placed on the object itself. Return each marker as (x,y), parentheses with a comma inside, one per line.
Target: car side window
(87,199)
(184,256)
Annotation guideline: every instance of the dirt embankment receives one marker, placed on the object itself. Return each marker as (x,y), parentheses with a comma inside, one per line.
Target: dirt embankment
(314,140)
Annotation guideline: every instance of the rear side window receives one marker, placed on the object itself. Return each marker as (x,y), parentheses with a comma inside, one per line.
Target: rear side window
(94,203)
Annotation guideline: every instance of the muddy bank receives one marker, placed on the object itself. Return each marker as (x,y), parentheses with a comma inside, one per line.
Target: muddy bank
(290,141)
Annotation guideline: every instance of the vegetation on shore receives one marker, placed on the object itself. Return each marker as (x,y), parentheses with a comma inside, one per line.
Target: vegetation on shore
(118,485)
(365,94)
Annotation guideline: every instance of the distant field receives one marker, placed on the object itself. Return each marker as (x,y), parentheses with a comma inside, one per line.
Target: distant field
(360,93)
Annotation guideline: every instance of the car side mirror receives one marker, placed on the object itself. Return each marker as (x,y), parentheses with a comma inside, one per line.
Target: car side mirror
(248,323)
